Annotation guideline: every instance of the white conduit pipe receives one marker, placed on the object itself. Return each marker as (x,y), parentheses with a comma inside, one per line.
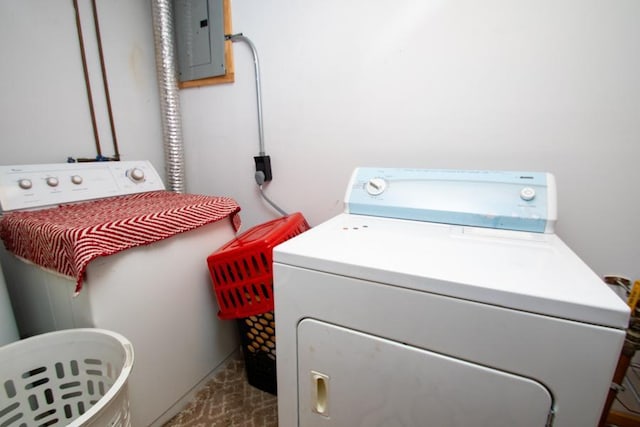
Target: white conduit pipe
(169,95)
(256,67)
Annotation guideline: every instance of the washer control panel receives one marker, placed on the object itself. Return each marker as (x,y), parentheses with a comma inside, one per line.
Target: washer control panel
(38,186)
(522,201)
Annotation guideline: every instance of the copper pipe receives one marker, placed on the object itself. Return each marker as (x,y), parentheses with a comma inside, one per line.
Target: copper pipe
(105,82)
(86,79)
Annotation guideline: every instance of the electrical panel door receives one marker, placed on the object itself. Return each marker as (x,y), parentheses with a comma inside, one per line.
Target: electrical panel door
(200,37)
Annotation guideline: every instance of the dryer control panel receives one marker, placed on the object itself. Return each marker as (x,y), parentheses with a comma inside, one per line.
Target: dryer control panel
(38,186)
(522,201)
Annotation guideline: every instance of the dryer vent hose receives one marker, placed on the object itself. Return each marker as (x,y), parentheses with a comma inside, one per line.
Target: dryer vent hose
(169,94)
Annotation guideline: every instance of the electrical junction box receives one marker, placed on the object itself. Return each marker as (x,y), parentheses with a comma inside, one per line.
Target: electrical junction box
(199,28)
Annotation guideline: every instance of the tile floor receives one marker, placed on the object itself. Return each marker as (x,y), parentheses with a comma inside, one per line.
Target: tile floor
(229,401)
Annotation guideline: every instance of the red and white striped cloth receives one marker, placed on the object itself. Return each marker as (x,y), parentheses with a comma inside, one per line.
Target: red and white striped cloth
(66,238)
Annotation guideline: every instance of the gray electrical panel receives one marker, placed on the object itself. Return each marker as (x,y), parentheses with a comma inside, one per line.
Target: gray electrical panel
(199,27)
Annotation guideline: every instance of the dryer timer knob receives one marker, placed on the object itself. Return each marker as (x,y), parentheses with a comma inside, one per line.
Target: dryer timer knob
(375,186)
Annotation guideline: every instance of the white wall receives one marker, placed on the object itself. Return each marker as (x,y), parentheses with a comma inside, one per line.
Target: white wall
(44,113)
(501,84)
(498,84)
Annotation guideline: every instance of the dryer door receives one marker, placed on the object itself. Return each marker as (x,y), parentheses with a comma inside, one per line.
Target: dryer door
(347,378)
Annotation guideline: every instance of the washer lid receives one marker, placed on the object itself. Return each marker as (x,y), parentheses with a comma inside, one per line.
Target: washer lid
(533,272)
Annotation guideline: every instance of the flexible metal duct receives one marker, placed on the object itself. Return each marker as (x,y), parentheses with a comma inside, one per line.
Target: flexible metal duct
(169,95)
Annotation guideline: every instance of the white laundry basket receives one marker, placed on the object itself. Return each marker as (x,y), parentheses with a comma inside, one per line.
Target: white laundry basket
(75,377)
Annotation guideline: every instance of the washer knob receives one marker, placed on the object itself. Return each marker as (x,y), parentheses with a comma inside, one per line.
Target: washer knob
(135,175)
(76,179)
(527,194)
(25,184)
(375,186)
(52,181)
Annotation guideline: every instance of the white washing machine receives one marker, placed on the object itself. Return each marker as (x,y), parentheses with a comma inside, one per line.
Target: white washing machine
(442,298)
(8,328)
(156,292)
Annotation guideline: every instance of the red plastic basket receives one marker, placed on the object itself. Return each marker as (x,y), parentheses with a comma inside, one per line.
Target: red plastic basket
(241,270)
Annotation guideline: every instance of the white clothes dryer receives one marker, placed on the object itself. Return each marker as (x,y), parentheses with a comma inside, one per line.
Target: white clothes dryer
(103,245)
(442,298)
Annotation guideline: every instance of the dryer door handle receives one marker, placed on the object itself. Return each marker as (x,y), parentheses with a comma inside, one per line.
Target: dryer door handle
(320,393)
